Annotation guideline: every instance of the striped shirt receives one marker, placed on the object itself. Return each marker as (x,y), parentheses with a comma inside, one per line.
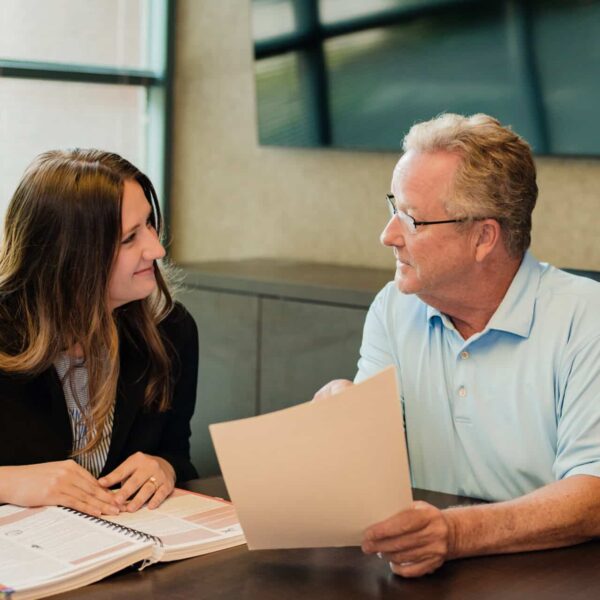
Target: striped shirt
(73,376)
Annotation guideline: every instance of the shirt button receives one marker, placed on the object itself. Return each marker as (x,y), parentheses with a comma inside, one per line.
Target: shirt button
(462,392)
(464,355)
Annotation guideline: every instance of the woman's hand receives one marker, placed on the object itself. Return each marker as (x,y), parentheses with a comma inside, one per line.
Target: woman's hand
(61,483)
(150,478)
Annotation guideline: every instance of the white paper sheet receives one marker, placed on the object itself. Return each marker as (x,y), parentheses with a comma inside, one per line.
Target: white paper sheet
(318,474)
(49,543)
(184,519)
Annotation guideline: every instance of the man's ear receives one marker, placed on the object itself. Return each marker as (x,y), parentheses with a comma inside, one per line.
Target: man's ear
(488,237)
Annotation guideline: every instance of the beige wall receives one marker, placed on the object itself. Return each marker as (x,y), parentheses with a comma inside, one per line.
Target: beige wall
(233,199)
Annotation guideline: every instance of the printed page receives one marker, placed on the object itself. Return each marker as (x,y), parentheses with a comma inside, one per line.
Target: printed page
(40,544)
(185,519)
(320,473)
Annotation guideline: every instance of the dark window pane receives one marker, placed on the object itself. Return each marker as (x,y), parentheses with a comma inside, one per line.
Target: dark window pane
(533,64)
(567,47)
(283,102)
(383,80)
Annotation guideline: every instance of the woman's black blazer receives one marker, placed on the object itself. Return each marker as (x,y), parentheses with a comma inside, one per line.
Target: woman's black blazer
(35,426)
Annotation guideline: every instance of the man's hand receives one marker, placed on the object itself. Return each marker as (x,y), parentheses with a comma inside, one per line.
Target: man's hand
(150,478)
(415,541)
(61,483)
(331,388)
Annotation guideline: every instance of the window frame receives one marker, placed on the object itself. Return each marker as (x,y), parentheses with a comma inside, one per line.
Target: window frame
(308,41)
(157,81)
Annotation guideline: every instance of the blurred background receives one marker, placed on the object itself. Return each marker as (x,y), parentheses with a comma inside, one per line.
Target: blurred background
(271,126)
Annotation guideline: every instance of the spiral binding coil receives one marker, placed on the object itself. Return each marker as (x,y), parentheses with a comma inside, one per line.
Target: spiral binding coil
(128,531)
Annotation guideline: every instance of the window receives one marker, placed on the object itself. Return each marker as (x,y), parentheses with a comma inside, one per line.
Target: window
(359,73)
(93,74)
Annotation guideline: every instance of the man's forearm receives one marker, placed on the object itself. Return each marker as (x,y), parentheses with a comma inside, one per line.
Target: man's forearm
(562,513)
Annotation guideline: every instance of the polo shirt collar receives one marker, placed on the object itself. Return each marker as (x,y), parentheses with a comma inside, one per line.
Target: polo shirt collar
(515,313)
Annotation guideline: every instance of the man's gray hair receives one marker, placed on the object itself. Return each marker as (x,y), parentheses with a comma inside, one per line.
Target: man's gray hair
(496,177)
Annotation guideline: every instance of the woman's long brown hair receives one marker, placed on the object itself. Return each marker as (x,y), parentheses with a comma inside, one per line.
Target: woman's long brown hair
(62,233)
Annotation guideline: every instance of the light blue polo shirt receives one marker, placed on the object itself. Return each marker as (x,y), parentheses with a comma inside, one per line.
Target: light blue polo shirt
(512,408)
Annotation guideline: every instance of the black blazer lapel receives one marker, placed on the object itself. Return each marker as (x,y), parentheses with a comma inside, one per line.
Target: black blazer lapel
(59,415)
(129,400)
(35,425)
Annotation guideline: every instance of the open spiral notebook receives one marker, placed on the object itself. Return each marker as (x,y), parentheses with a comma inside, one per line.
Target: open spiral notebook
(52,549)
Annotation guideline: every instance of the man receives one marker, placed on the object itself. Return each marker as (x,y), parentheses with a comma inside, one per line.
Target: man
(497,355)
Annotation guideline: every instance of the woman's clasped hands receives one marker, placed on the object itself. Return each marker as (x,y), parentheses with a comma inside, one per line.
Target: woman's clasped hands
(143,479)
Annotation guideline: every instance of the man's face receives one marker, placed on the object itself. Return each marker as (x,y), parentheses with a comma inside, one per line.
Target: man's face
(433,261)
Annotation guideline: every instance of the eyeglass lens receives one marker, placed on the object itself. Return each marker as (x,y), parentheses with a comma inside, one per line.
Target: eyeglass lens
(404,219)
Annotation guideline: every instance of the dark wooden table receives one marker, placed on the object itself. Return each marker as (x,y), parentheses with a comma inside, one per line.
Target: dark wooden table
(345,573)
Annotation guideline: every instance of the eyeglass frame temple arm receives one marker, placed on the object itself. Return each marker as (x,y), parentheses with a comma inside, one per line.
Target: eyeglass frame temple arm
(391,198)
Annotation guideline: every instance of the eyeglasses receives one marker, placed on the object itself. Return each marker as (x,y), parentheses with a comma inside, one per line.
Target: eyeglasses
(408,221)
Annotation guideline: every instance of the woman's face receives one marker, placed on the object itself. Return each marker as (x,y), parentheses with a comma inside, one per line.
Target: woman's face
(132,277)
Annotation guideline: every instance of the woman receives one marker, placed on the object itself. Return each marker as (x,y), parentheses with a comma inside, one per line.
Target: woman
(98,365)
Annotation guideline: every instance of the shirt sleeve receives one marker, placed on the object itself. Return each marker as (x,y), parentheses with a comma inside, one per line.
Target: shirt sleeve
(375,350)
(578,439)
